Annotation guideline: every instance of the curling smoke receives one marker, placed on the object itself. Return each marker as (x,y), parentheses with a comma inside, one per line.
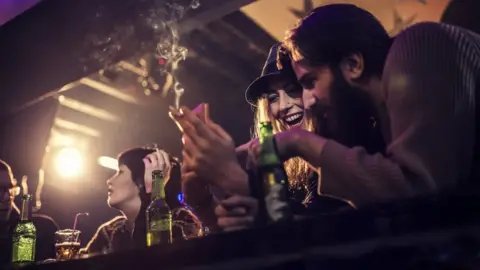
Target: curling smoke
(157,19)
(168,48)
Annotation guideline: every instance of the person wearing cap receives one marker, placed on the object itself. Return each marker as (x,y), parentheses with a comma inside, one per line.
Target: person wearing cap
(351,126)
(284,96)
(425,84)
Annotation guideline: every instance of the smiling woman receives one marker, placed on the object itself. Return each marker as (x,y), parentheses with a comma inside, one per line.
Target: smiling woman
(286,111)
(285,102)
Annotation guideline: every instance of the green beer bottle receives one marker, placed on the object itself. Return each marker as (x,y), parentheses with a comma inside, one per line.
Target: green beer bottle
(159,215)
(24,236)
(271,170)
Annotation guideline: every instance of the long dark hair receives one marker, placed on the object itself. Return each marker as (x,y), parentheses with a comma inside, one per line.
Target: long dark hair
(332,32)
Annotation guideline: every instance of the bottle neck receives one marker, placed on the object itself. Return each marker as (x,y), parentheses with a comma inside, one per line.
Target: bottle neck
(268,155)
(26,208)
(266,130)
(158,185)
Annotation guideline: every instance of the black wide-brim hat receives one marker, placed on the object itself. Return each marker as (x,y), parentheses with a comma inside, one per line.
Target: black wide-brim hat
(261,85)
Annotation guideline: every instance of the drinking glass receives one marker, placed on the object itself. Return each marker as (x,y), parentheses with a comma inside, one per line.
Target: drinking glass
(67,244)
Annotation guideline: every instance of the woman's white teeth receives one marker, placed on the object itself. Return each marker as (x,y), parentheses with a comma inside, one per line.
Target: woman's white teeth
(293,117)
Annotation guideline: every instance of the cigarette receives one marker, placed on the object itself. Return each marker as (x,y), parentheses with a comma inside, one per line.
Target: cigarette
(207,112)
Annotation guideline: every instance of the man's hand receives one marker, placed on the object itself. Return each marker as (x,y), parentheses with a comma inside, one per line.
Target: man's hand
(158,160)
(236,213)
(294,143)
(208,151)
(287,142)
(196,191)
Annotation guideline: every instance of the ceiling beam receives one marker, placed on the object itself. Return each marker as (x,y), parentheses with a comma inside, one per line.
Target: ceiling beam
(109,90)
(45,47)
(214,10)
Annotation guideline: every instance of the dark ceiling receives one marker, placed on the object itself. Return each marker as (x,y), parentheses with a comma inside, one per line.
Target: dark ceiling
(41,55)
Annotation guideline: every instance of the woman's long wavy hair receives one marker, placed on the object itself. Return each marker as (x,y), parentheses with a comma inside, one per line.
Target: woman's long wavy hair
(298,171)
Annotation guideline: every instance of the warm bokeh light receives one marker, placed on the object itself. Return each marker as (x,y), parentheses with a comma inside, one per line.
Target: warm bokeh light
(108,162)
(69,162)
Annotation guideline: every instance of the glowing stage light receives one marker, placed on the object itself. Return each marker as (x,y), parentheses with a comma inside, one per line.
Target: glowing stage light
(69,162)
(108,162)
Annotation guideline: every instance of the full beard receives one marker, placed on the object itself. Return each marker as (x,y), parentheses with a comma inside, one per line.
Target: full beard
(351,117)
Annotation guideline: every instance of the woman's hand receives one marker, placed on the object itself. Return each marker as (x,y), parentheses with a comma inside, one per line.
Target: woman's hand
(236,212)
(158,160)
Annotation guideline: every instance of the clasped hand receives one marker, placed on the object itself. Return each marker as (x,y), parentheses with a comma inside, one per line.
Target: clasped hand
(208,151)
(209,156)
(158,160)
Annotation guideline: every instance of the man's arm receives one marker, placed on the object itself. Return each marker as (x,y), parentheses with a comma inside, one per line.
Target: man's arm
(430,80)
(238,182)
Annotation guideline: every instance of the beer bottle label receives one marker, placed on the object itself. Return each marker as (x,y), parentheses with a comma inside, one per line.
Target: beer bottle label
(161,225)
(277,207)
